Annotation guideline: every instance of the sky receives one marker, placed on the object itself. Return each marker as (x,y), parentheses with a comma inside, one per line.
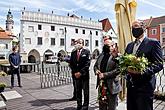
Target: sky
(95,9)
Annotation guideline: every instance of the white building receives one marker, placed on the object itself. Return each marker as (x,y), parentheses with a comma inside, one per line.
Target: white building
(43,35)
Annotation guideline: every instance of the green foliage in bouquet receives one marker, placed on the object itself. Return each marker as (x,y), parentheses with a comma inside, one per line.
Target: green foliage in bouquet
(131,62)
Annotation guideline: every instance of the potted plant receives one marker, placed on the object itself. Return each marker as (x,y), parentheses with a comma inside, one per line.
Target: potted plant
(2,85)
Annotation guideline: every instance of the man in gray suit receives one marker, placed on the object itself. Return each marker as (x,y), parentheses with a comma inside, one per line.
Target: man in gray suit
(106,70)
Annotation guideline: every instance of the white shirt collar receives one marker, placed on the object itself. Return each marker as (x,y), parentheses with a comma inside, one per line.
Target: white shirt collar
(141,39)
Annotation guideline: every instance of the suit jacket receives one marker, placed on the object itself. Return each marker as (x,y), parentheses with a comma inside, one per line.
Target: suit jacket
(111,74)
(81,65)
(150,49)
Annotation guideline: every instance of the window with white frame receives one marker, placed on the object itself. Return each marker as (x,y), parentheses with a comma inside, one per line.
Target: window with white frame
(83,31)
(62,42)
(7,46)
(27,40)
(163,29)
(53,41)
(61,31)
(96,43)
(76,30)
(87,43)
(39,39)
(52,28)
(153,31)
(163,40)
(39,27)
(96,33)
(31,28)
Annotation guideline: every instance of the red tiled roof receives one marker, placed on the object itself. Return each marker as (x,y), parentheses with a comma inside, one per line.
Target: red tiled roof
(156,21)
(5,34)
(106,24)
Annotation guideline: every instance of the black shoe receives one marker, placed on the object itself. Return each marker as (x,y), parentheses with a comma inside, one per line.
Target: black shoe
(79,108)
(20,86)
(73,99)
(11,87)
(84,108)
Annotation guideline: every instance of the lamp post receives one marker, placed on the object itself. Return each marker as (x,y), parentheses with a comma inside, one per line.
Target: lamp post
(65,37)
(91,41)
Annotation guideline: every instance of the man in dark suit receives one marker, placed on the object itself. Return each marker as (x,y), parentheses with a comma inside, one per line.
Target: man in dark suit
(79,64)
(107,70)
(73,77)
(141,86)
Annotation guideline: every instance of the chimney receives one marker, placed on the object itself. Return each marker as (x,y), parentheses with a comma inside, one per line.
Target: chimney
(68,14)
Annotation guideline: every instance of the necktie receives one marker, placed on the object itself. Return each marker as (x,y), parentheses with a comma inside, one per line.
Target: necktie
(136,46)
(137,42)
(78,55)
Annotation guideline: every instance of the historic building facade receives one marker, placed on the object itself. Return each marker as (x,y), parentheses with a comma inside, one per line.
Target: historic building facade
(43,35)
(156,30)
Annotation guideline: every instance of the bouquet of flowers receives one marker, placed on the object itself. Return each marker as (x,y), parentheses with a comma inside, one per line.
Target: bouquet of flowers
(102,92)
(131,63)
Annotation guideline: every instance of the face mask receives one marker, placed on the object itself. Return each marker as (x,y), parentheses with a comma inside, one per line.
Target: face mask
(77,46)
(137,32)
(106,49)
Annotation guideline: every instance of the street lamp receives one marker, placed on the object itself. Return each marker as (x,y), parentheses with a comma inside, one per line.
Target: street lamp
(91,41)
(65,37)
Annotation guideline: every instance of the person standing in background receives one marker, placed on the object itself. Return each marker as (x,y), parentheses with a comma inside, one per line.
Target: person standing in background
(73,76)
(15,61)
(79,63)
